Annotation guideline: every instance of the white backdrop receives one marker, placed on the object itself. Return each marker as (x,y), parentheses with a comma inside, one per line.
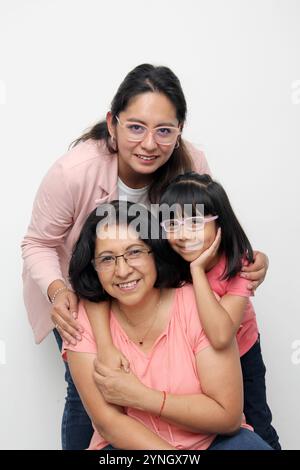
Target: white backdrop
(61,62)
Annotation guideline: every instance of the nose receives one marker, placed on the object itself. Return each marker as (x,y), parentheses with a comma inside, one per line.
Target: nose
(183,233)
(149,143)
(122,268)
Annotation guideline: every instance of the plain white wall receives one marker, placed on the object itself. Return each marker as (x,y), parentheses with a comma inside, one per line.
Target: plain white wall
(61,62)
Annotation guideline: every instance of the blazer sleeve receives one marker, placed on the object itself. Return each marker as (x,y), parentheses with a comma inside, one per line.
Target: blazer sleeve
(52,217)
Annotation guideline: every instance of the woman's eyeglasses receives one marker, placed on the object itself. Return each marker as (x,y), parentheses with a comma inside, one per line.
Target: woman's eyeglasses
(132,258)
(136,132)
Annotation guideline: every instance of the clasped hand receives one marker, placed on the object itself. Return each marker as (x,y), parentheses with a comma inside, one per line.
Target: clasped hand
(117,386)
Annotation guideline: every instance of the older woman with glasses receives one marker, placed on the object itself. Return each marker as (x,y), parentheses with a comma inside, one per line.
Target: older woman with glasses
(132,155)
(180,392)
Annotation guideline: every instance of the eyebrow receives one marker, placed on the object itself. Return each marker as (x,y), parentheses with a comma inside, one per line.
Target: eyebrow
(107,252)
(169,124)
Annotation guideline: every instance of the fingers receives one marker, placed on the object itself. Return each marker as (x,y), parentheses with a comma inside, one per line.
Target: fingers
(260,262)
(66,330)
(253,286)
(73,304)
(69,329)
(215,245)
(125,364)
(68,339)
(257,275)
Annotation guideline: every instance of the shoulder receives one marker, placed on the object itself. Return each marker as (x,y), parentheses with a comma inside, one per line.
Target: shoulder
(84,166)
(198,158)
(235,286)
(85,153)
(186,303)
(87,344)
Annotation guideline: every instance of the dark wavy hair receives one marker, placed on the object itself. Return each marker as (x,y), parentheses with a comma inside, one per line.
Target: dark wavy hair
(82,275)
(192,188)
(147,78)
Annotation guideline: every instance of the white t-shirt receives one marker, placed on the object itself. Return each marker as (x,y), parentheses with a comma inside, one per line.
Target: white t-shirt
(139,195)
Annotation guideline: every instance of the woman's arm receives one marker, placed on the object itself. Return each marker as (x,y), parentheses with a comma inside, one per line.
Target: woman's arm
(256,272)
(217,410)
(52,217)
(115,427)
(99,318)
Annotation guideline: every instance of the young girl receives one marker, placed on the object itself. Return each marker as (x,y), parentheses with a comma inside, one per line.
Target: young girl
(211,250)
(215,248)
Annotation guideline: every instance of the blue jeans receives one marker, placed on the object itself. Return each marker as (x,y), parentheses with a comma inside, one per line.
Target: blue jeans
(256,409)
(76,428)
(243,440)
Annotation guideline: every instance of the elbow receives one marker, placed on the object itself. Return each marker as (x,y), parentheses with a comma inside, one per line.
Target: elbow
(221,341)
(232,423)
(106,429)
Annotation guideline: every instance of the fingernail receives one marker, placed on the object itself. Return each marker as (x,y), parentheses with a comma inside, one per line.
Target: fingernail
(73,342)
(243,275)
(78,337)
(67,343)
(74,315)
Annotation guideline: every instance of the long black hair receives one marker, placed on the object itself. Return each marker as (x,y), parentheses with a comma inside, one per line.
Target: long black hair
(192,188)
(147,78)
(82,275)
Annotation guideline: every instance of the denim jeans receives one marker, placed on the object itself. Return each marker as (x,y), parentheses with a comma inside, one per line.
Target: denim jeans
(256,409)
(243,440)
(76,428)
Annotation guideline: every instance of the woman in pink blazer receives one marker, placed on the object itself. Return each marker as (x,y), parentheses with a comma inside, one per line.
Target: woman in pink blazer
(132,155)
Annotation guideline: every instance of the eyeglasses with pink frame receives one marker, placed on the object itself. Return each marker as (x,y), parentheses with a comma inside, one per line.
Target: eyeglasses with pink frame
(137,132)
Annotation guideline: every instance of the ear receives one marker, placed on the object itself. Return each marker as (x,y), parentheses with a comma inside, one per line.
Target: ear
(110,126)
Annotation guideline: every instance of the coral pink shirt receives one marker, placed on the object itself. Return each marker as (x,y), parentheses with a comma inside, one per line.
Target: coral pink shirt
(169,366)
(248,332)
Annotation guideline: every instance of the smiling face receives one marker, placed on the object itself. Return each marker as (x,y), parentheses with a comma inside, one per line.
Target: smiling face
(190,245)
(130,285)
(139,160)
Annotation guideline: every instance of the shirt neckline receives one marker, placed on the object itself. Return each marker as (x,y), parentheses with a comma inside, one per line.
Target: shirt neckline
(149,353)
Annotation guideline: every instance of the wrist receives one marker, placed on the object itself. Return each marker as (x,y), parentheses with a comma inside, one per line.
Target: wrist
(197,270)
(55,288)
(151,401)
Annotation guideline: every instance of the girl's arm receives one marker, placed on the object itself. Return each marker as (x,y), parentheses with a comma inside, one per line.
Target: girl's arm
(99,318)
(120,430)
(220,320)
(217,410)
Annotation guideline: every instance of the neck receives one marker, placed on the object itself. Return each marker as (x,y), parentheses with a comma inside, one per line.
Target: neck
(144,309)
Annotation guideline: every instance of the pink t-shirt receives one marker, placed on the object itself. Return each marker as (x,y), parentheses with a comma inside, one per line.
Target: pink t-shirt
(169,366)
(248,332)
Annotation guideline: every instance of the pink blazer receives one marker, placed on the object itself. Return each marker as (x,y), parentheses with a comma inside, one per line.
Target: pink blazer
(77,182)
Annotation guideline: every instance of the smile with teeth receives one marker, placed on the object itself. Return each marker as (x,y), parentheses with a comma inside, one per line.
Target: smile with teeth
(128,285)
(144,157)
